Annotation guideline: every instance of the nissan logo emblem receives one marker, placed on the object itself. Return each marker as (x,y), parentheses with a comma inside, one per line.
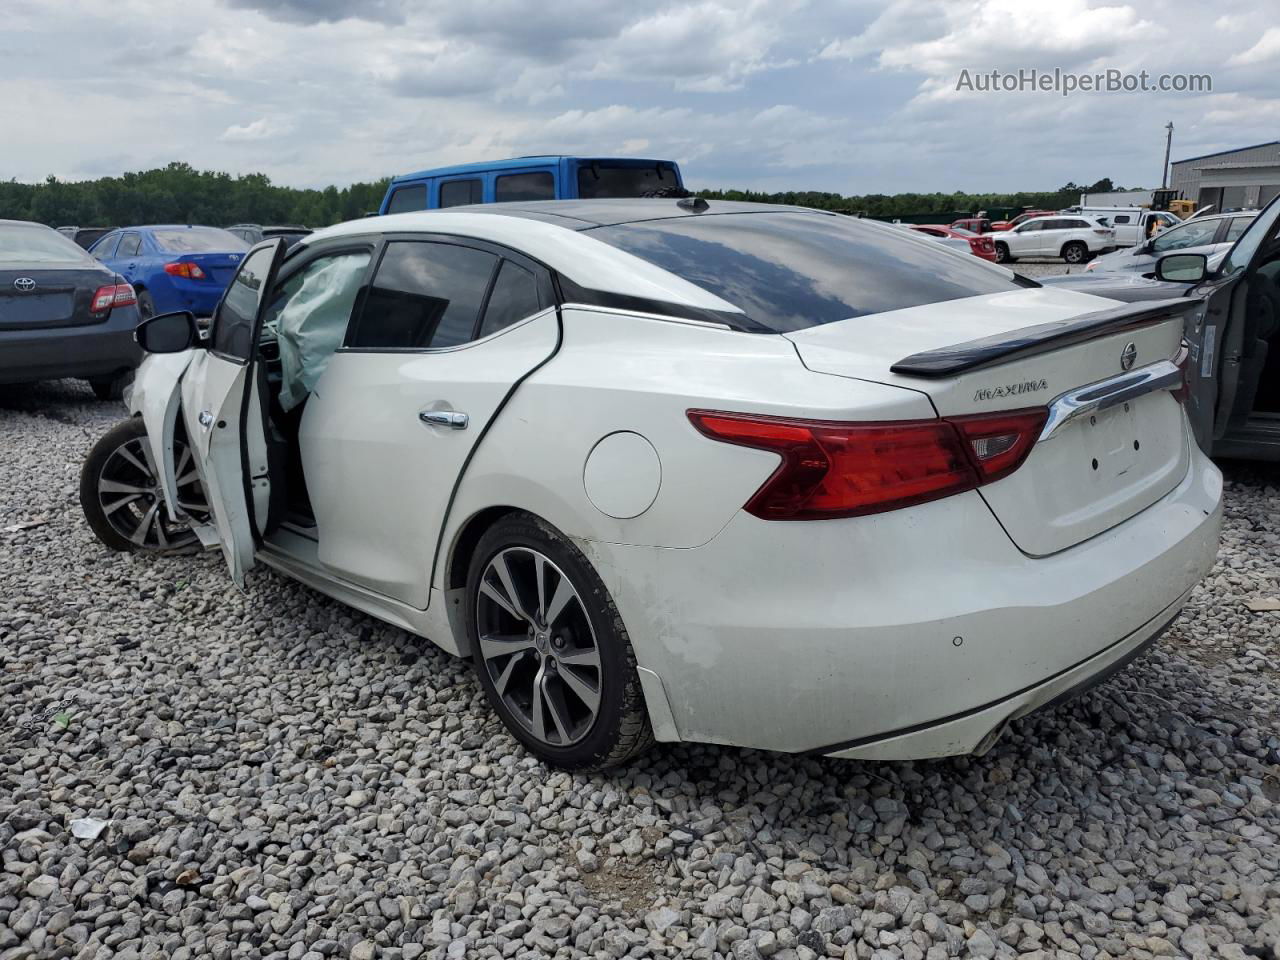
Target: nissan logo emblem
(25,284)
(1127,356)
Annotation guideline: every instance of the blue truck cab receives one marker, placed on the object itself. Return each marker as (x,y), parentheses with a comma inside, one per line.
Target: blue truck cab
(530,178)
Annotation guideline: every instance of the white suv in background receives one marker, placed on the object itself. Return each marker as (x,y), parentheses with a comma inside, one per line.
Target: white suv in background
(1073,237)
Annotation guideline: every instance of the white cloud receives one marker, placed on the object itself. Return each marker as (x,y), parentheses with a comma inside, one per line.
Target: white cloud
(260,129)
(1267,48)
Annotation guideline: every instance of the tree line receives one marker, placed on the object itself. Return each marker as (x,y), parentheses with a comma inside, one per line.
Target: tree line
(178,193)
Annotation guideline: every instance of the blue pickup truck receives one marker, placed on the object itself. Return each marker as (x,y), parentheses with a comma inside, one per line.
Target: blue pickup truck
(531,178)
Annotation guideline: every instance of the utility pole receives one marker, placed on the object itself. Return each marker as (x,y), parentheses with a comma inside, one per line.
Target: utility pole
(1168,143)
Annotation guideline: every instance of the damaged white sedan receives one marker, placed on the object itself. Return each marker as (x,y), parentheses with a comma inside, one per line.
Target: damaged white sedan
(681,470)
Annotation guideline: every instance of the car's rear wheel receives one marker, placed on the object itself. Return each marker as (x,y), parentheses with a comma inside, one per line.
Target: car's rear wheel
(146,306)
(121,497)
(551,650)
(1002,253)
(1075,252)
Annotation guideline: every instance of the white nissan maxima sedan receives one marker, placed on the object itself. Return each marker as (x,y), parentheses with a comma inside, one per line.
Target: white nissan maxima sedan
(681,470)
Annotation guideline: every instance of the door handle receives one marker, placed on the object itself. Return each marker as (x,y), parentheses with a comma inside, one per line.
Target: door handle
(445,418)
(206,419)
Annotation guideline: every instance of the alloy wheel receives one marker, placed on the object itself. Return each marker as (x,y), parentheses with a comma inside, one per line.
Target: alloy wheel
(131,498)
(538,646)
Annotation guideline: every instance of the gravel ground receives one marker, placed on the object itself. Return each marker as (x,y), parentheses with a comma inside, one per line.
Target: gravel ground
(285,777)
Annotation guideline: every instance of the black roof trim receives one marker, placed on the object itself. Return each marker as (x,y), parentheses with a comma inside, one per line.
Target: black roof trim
(1042,338)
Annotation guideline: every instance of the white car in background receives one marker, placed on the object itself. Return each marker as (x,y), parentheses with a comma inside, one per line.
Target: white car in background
(682,470)
(1073,237)
(1133,225)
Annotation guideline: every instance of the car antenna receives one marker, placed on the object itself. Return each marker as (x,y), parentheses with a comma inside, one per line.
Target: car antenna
(696,204)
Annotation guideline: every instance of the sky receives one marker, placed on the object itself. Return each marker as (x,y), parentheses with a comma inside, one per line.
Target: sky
(842,95)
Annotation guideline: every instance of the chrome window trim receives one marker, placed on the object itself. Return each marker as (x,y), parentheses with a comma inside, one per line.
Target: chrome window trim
(619,312)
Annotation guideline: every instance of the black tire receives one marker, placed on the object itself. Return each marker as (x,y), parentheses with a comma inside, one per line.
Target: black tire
(172,538)
(1075,252)
(620,728)
(1002,253)
(111,388)
(146,306)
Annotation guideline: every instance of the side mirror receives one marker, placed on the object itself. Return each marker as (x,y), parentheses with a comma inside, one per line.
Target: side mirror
(1182,267)
(168,333)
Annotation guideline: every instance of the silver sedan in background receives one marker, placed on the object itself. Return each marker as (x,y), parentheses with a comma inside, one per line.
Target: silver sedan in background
(1209,235)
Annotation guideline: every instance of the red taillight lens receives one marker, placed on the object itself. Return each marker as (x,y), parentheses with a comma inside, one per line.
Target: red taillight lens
(181,268)
(998,443)
(103,298)
(835,469)
(112,295)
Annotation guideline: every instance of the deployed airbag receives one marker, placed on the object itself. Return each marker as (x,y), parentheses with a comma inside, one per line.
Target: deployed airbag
(313,321)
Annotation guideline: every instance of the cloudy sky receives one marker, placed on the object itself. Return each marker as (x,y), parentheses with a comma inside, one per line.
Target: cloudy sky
(843,95)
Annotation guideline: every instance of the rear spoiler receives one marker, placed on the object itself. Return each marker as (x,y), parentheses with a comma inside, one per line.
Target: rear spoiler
(1042,338)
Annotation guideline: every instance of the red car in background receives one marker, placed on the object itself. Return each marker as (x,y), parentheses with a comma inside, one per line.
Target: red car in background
(972,224)
(953,236)
(998,225)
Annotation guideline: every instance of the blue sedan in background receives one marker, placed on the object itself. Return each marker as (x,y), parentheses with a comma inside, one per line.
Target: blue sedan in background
(173,267)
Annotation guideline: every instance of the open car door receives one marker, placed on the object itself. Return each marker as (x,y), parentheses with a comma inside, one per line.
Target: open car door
(221,409)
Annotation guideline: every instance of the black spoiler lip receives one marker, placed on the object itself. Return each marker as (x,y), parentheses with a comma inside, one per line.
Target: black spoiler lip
(1029,341)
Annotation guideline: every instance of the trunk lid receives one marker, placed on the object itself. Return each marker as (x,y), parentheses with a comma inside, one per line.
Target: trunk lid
(1023,349)
(31,299)
(218,267)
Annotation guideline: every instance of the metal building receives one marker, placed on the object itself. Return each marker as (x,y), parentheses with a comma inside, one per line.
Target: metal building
(1247,177)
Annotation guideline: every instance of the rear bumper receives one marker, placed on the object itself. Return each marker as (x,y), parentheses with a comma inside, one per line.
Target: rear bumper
(916,633)
(197,296)
(94,350)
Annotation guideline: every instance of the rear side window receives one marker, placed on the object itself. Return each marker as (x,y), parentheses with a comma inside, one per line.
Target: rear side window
(105,247)
(455,193)
(524,186)
(790,271)
(1238,226)
(424,295)
(130,244)
(514,297)
(408,199)
(1122,218)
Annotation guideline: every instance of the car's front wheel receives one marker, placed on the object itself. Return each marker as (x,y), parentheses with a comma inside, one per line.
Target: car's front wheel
(551,650)
(1002,253)
(121,497)
(1075,252)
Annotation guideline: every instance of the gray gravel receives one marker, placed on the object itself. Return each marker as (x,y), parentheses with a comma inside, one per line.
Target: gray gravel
(285,777)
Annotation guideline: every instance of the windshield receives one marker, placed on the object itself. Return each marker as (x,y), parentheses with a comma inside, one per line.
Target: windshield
(599,180)
(1264,226)
(198,240)
(32,244)
(791,270)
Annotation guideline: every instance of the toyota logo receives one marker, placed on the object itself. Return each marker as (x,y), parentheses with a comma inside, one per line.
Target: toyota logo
(25,284)
(1128,355)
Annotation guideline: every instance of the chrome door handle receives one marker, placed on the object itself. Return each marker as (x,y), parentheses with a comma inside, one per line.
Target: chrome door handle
(206,419)
(445,418)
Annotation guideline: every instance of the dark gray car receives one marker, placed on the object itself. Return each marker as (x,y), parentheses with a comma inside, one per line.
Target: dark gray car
(1210,235)
(62,313)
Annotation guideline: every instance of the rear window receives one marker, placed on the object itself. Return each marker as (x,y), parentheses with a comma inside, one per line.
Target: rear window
(599,180)
(198,240)
(790,271)
(37,244)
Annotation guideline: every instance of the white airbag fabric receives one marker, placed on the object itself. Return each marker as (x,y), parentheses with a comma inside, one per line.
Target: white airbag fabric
(313,322)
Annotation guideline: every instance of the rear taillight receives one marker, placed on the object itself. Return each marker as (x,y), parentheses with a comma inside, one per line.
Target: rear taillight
(835,469)
(982,244)
(181,268)
(1102,233)
(112,295)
